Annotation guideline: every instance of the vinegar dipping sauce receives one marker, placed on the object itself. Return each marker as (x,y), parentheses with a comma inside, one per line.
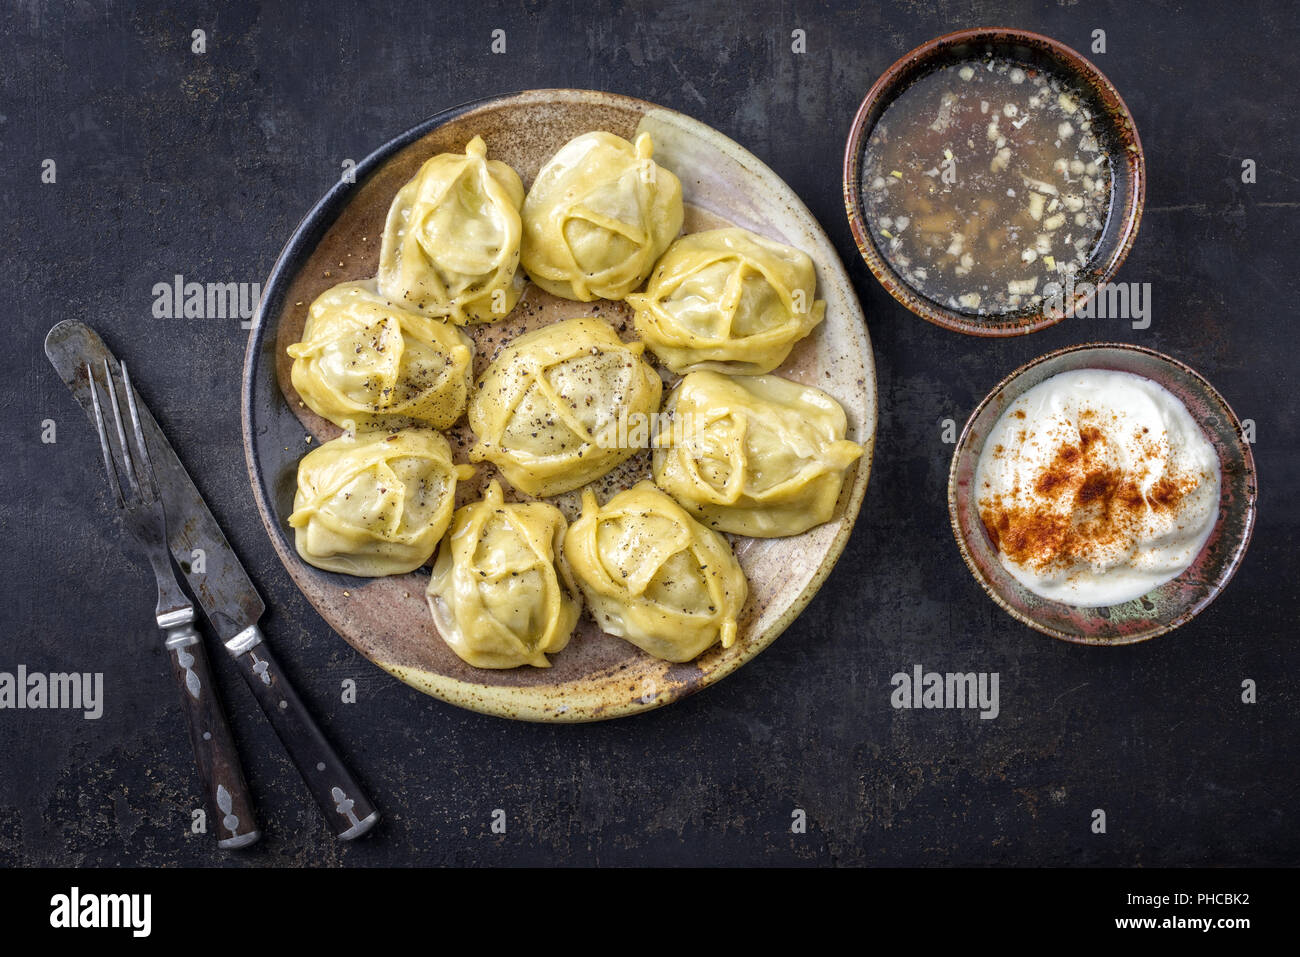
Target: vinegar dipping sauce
(984,181)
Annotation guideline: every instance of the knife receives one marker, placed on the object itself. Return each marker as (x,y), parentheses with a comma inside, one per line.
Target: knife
(231,603)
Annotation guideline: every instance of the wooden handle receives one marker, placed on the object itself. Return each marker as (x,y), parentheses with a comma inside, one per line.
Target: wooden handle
(345,806)
(222,777)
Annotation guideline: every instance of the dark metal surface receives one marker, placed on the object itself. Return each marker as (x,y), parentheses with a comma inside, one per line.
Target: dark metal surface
(171,162)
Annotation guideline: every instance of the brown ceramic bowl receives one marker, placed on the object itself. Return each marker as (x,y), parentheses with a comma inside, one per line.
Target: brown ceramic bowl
(387,619)
(1120,133)
(1171,604)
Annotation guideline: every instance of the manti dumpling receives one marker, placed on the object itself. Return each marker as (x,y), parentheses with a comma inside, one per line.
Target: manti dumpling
(728,300)
(654,575)
(753,455)
(547,411)
(451,242)
(364,359)
(496,593)
(599,214)
(377,503)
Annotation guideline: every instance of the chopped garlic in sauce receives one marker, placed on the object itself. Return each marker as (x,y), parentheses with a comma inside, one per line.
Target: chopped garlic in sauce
(972,178)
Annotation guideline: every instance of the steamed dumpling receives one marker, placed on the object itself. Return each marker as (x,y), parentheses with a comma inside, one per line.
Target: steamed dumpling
(377,503)
(451,243)
(753,455)
(366,360)
(728,300)
(496,593)
(547,411)
(599,214)
(654,575)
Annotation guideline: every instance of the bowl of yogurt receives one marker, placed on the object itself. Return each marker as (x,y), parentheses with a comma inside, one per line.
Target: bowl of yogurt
(1103,494)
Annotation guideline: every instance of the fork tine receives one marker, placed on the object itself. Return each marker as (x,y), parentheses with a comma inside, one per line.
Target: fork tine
(109,467)
(146,464)
(127,461)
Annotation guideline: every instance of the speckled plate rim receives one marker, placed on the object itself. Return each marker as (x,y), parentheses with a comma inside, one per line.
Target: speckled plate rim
(517,702)
(1015,324)
(1238,551)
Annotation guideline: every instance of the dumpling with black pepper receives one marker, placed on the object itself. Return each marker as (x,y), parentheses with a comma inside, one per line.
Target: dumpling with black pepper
(598,215)
(365,360)
(375,503)
(451,241)
(728,300)
(753,455)
(500,594)
(554,409)
(653,575)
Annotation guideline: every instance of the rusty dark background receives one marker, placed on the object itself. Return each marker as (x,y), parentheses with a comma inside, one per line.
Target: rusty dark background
(170,162)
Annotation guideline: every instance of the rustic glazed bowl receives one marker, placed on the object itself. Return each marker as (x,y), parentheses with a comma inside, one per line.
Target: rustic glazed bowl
(1164,608)
(387,619)
(1119,132)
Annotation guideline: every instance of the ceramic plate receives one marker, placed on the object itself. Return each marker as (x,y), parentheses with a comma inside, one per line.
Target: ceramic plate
(386,619)
(1164,608)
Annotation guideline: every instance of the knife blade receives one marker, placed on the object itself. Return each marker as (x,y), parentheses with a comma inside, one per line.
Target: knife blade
(211,569)
(231,603)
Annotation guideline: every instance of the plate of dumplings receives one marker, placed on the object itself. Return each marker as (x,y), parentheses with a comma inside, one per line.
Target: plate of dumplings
(559,407)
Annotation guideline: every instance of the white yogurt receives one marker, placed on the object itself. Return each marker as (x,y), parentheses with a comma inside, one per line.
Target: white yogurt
(1097,487)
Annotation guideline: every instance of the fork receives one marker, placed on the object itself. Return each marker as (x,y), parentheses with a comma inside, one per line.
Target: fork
(142,512)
